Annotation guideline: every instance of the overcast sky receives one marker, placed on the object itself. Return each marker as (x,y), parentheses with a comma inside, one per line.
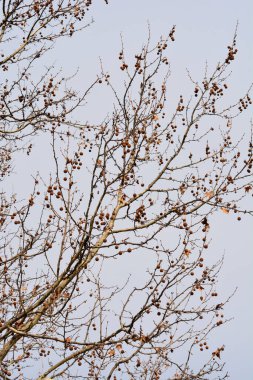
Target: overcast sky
(203,31)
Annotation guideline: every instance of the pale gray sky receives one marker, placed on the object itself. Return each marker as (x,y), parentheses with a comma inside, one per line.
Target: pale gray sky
(203,30)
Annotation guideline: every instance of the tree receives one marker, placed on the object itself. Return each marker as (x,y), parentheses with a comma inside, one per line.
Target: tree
(29,30)
(138,190)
